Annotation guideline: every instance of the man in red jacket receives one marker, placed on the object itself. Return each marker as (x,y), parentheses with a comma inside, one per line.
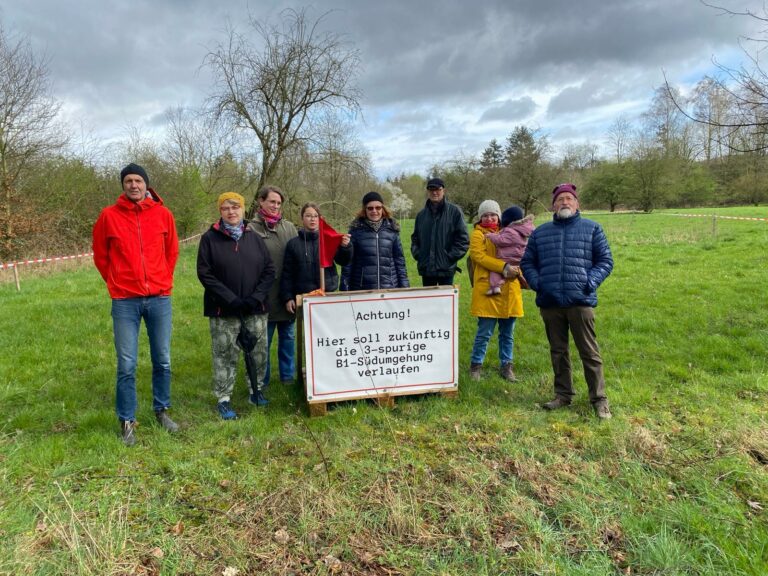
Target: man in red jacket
(135,248)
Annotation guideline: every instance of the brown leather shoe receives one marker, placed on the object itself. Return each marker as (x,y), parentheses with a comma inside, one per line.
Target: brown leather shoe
(555,404)
(475,371)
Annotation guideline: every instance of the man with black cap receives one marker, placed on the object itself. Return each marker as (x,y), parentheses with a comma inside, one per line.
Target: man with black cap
(439,238)
(135,248)
(564,263)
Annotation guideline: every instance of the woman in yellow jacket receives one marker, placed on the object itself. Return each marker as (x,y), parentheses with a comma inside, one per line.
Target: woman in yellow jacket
(502,309)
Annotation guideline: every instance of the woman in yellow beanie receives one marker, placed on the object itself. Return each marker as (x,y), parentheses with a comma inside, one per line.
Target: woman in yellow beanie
(234,267)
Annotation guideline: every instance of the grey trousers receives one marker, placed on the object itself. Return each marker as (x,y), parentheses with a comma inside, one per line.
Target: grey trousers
(580,320)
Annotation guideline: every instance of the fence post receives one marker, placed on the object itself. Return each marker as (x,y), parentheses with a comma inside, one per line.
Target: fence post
(16,276)
(714,226)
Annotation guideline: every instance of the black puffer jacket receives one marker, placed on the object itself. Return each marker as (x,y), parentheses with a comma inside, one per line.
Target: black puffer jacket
(378,261)
(301,268)
(230,270)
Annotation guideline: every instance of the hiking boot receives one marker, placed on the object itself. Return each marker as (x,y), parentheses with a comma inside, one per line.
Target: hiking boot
(475,371)
(128,430)
(507,373)
(603,411)
(555,404)
(225,411)
(257,399)
(165,421)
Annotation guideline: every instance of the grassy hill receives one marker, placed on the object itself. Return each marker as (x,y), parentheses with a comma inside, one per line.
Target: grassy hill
(489,483)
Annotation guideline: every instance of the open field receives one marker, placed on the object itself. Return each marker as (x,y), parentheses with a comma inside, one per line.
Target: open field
(675,484)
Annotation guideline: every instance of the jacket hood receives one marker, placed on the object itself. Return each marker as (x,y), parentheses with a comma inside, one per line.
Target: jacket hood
(149,201)
(523,227)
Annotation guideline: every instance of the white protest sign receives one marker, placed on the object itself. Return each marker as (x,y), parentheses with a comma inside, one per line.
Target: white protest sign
(360,345)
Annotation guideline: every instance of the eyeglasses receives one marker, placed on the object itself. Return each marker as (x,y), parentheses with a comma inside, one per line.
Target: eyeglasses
(374,208)
(489,217)
(311,216)
(230,208)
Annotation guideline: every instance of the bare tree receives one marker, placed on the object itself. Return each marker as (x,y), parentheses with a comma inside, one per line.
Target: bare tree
(709,100)
(745,127)
(27,131)
(667,125)
(340,168)
(579,157)
(199,145)
(619,137)
(276,89)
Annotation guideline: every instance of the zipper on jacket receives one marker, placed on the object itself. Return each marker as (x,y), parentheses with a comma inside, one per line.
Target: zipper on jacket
(141,251)
(378,263)
(562,262)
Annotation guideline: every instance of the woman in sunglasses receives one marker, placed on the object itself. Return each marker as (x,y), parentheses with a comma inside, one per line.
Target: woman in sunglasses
(378,261)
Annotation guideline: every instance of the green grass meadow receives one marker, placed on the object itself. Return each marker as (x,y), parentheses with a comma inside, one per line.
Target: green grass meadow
(675,484)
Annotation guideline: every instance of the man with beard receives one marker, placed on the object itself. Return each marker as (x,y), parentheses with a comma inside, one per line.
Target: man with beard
(565,262)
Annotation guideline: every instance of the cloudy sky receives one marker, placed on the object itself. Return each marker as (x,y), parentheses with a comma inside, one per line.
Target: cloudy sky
(439,77)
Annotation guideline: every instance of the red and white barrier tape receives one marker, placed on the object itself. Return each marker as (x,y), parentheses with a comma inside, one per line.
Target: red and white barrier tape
(719,217)
(190,238)
(9,265)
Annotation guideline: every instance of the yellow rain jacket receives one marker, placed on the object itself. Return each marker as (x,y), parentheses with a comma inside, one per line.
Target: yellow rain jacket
(508,304)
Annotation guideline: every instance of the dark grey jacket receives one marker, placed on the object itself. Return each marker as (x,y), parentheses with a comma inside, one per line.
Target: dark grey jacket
(439,239)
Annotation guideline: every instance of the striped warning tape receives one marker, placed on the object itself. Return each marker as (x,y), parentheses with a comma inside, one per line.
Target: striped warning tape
(196,236)
(9,265)
(718,216)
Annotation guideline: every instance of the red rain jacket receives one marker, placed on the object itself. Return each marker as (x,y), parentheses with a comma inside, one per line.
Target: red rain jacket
(135,247)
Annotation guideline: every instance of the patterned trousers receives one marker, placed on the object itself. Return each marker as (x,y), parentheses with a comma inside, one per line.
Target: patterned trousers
(226,353)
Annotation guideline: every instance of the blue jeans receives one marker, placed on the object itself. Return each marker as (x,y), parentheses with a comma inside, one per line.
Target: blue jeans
(126,319)
(286,344)
(485,328)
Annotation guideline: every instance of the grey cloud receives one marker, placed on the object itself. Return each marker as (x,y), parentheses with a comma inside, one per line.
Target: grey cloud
(576,99)
(510,110)
(126,62)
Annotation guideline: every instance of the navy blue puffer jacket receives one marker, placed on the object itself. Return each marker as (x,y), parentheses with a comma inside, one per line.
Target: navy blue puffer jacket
(565,261)
(378,261)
